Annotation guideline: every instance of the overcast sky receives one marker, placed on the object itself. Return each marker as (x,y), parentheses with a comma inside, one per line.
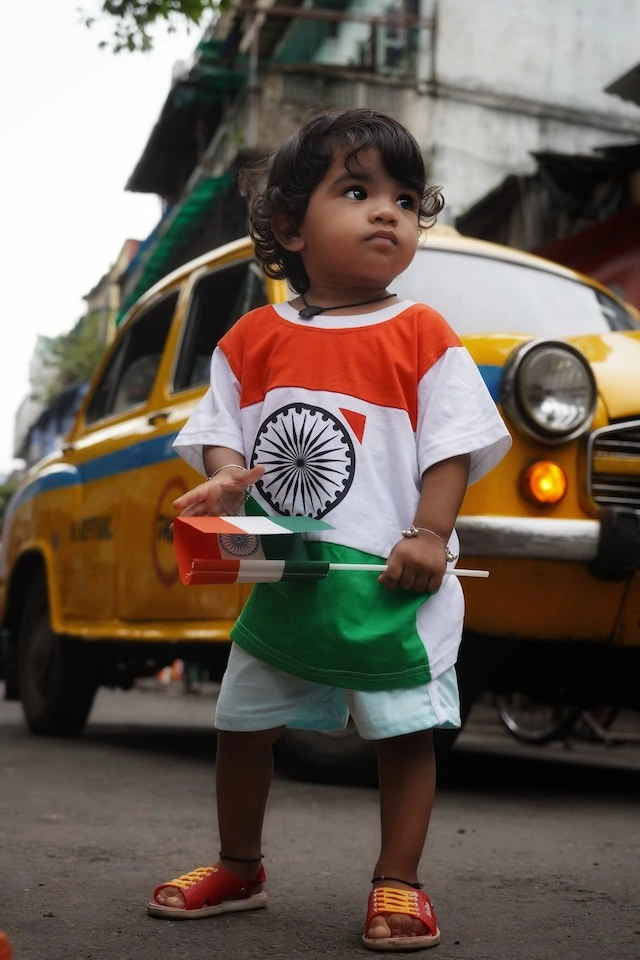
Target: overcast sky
(74,120)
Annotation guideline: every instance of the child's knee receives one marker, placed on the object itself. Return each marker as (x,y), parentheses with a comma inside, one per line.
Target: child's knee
(407,742)
(248,740)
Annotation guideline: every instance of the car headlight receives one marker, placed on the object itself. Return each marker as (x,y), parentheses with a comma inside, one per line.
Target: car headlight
(549,391)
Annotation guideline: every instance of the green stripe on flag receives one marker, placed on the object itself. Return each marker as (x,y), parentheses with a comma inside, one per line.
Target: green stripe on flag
(301,524)
(299,570)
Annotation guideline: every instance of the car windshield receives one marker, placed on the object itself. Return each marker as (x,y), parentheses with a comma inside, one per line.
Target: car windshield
(478,294)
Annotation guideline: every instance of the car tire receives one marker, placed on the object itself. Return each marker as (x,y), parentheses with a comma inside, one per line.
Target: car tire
(531,721)
(336,756)
(342,757)
(57,686)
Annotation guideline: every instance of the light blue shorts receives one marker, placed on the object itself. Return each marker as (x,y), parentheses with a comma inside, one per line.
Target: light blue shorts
(256,696)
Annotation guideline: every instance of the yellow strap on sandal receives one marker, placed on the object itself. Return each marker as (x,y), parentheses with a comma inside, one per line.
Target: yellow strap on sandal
(384,901)
(188,879)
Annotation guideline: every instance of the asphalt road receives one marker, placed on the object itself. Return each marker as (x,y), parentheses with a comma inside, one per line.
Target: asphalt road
(532,855)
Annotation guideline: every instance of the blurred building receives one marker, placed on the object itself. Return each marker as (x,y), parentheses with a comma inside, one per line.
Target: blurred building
(42,419)
(103,300)
(47,431)
(579,209)
(486,88)
(41,375)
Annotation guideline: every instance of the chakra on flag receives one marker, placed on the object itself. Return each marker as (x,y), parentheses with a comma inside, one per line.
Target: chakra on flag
(238,544)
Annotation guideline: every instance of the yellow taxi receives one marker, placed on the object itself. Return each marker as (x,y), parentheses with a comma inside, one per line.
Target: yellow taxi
(89,588)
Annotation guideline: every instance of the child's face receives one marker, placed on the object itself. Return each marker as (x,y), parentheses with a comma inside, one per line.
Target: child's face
(360,229)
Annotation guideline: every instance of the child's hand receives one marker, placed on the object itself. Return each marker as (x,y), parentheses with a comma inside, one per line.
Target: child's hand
(415,563)
(221,496)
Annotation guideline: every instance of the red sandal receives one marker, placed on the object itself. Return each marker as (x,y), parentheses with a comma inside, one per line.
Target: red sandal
(209,891)
(410,903)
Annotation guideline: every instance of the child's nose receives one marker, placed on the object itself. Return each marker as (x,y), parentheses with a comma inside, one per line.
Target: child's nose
(384,211)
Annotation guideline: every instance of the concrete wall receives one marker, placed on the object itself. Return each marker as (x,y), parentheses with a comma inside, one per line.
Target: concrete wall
(556,51)
(512,77)
(287,97)
(471,149)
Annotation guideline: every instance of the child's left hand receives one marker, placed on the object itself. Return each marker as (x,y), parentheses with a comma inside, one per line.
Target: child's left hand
(415,563)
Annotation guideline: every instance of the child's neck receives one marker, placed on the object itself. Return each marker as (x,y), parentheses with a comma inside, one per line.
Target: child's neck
(310,308)
(317,300)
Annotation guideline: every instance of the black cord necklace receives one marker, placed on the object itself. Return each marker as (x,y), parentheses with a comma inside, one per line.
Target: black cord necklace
(311,310)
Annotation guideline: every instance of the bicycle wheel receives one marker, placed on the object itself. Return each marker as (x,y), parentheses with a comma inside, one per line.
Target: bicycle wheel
(532,721)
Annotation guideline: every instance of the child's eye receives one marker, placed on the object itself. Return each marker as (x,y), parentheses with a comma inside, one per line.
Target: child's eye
(407,202)
(356,193)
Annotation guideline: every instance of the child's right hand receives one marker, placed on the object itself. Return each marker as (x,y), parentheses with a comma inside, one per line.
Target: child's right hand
(221,496)
(415,563)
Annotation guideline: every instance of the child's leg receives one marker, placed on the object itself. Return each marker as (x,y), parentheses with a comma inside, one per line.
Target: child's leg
(407,777)
(244,767)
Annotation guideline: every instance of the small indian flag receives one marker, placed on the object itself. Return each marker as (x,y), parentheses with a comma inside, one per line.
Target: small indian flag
(232,549)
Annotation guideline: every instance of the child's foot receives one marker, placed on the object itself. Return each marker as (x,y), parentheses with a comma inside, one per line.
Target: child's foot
(413,926)
(208,891)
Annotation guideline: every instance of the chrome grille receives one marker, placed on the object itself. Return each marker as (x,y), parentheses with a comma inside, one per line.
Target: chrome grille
(614,465)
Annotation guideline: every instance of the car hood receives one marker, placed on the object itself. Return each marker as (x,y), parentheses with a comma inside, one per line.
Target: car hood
(614,359)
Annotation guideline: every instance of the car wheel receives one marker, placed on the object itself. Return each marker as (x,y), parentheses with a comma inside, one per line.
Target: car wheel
(337,756)
(341,757)
(532,721)
(57,686)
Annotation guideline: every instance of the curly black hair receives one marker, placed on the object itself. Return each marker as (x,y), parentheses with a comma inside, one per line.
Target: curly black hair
(284,182)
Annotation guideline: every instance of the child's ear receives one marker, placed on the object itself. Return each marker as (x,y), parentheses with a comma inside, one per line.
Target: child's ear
(286,232)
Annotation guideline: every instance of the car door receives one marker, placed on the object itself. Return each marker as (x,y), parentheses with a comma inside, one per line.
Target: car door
(148,583)
(105,450)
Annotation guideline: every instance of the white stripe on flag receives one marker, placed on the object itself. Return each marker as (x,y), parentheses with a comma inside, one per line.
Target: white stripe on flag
(260,571)
(258,526)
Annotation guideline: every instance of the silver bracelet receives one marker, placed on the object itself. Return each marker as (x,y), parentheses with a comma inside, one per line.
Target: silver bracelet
(413,531)
(224,467)
(247,492)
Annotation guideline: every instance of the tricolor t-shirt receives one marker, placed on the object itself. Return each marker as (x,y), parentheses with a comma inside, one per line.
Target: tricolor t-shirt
(346,413)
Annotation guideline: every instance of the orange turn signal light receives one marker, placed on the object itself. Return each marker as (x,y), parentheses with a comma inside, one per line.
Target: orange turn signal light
(544,482)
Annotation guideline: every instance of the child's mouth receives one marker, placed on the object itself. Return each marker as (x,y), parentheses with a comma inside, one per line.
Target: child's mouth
(384,235)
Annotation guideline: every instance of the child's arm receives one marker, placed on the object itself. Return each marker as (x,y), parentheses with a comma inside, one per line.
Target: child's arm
(223,493)
(418,563)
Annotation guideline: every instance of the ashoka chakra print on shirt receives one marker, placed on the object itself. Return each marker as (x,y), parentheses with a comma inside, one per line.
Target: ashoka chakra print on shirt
(308,458)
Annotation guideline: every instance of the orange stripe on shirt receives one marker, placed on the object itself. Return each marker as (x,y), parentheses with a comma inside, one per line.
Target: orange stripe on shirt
(381,363)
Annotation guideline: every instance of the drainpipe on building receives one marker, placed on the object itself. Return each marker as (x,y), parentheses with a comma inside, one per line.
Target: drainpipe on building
(426,65)
(251,41)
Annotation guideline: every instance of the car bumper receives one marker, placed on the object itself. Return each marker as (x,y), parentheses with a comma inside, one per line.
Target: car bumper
(610,544)
(529,538)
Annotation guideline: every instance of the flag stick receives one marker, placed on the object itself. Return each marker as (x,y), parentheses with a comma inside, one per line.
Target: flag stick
(227,570)
(381,567)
